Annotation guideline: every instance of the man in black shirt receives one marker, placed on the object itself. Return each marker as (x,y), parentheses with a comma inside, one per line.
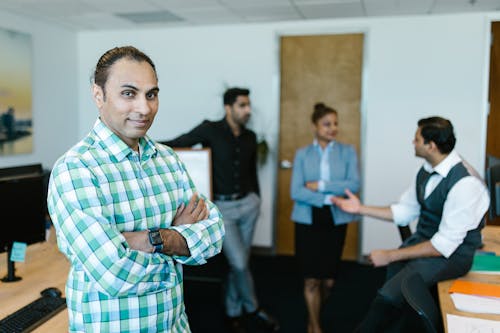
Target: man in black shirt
(236,194)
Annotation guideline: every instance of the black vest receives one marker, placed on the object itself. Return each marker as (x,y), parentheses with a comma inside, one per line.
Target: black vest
(431,208)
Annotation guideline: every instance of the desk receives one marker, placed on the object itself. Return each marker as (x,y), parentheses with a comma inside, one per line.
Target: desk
(491,240)
(44,267)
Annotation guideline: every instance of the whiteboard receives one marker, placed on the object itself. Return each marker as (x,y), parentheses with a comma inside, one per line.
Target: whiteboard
(199,167)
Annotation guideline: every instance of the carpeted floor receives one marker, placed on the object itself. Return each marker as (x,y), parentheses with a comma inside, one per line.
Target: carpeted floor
(279,288)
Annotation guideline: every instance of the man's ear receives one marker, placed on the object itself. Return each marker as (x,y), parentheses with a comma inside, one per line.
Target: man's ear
(98,95)
(227,108)
(433,146)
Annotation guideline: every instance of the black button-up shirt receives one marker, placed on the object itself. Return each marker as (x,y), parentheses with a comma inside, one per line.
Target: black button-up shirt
(234,158)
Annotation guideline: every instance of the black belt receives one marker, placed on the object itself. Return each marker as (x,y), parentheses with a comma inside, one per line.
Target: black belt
(229,197)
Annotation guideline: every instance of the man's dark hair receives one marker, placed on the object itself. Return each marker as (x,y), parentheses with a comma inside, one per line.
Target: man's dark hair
(320,110)
(231,95)
(440,131)
(111,56)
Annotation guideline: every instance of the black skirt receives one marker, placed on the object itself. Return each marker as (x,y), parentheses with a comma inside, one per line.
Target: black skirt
(318,247)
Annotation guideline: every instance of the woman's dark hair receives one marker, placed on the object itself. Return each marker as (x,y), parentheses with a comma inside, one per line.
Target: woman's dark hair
(320,110)
(439,131)
(111,56)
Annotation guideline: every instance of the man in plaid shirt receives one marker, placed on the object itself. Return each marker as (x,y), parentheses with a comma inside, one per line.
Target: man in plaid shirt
(126,212)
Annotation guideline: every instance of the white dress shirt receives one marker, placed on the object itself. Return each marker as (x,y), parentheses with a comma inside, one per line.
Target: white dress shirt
(465,205)
(324,168)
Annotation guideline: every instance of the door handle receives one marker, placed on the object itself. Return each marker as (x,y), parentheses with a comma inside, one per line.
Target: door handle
(286,164)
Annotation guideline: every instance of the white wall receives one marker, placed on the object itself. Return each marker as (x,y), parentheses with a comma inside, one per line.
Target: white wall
(54,88)
(418,68)
(414,67)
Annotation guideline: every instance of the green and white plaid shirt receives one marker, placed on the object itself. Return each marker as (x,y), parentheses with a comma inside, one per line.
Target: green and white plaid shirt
(101,188)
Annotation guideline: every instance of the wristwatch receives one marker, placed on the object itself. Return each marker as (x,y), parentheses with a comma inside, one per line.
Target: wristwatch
(155,239)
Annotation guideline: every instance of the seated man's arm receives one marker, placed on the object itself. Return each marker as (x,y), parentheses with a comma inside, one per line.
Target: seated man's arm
(463,210)
(385,257)
(353,205)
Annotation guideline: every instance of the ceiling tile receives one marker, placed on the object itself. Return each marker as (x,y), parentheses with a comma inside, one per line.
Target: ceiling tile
(119,6)
(186,4)
(266,12)
(101,14)
(214,15)
(398,7)
(453,6)
(317,2)
(255,3)
(158,16)
(47,8)
(316,11)
(97,21)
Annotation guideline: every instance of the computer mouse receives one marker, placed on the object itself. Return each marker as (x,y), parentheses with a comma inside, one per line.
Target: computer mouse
(51,292)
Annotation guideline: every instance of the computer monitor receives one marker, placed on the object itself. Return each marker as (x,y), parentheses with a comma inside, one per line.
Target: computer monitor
(493,182)
(23,195)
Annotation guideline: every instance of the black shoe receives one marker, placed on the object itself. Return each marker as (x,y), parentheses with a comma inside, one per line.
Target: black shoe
(265,320)
(235,325)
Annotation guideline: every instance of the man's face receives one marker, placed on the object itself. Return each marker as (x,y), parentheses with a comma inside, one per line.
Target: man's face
(421,148)
(131,101)
(240,110)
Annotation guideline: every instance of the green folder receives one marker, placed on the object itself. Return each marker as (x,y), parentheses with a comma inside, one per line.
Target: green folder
(486,263)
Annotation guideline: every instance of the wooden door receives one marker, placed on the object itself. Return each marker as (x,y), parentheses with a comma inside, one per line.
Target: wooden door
(324,68)
(493,128)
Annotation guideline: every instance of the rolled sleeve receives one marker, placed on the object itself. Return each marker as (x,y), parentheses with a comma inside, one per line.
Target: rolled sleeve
(407,209)
(463,210)
(204,238)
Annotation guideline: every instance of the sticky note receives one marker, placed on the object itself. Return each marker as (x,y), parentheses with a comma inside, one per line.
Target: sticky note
(18,252)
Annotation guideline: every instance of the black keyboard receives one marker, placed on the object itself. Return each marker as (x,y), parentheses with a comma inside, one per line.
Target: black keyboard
(32,315)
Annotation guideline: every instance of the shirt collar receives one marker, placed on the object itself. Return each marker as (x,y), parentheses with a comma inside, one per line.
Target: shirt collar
(228,128)
(112,142)
(328,146)
(445,165)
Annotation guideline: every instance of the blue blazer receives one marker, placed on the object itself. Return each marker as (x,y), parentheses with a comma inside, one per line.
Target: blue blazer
(344,173)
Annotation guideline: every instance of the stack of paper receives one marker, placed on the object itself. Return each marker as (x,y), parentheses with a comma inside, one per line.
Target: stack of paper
(460,324)
(476,297)
(488,264)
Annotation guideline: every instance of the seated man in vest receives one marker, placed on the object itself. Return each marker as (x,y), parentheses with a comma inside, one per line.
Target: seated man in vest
(449,200)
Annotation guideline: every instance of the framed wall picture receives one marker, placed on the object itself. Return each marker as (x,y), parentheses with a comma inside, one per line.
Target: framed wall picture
(16,125)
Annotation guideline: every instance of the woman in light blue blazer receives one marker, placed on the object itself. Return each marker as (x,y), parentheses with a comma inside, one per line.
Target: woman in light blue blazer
(321,171)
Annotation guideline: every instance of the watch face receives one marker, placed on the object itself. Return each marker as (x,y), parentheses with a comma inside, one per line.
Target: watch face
(155,237)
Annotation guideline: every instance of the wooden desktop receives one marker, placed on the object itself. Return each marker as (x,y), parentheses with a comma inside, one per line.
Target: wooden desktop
(491,240)
(44,267)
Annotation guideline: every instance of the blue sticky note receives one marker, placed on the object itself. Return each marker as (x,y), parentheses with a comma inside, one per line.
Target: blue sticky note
(18,252)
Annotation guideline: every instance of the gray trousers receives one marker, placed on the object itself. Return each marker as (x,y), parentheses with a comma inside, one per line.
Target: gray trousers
(240,217)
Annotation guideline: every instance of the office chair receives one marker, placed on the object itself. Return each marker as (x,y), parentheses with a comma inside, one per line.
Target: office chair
(493,182)
(419,298)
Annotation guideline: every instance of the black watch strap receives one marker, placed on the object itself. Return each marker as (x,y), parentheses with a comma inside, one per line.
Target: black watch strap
(155,239)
